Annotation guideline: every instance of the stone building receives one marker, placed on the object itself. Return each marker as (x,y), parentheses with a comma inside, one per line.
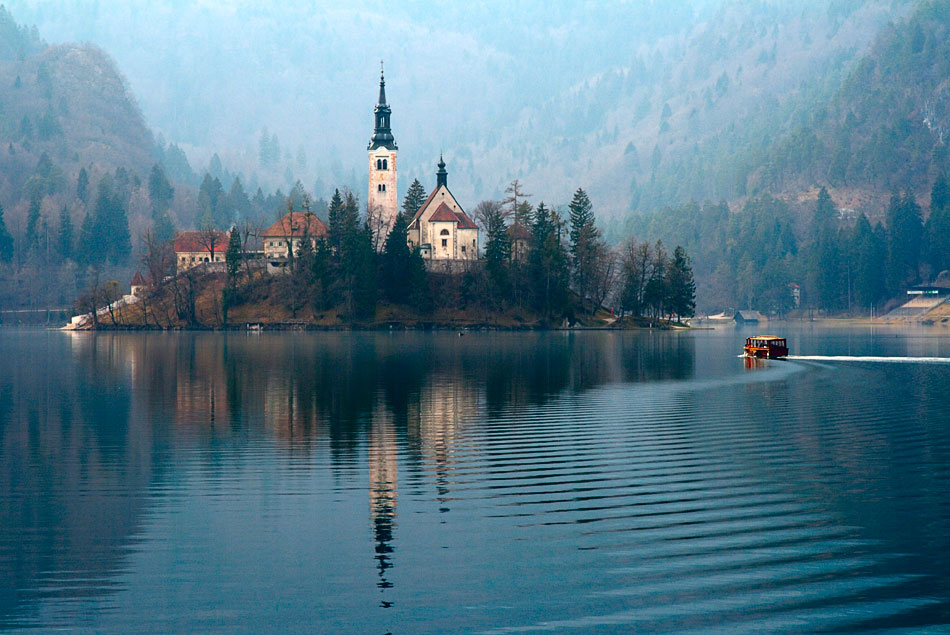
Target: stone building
(520,239)
(291,228)
(383,200)
(193,248)
(440,228)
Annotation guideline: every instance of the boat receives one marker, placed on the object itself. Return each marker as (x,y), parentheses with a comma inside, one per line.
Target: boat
(766,346)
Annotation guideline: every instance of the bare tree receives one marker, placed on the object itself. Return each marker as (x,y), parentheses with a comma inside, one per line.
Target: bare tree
(514,193)
(248,232)
(209,239)
(606,275)
(158,259)
(379,224)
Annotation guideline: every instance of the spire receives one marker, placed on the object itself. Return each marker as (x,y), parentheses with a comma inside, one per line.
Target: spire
(382,135)
(382,86)
(441,176)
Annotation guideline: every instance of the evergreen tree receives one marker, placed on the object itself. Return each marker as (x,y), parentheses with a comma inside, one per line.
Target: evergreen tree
(111,227)
(160,191)
(82,186)
(238,200)
(163,228)
(585,243)
(497,253)
(334,223)
(395,261)
(6,240)
(936,241)
(548,262)
(904,231)
(88,252)
(65,234)
(681,289)
(826,256)
(868,253)
(232,256)
(211,202)
(32,223)
(415,197)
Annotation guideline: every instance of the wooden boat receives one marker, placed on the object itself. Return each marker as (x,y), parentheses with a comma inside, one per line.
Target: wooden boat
(766,346)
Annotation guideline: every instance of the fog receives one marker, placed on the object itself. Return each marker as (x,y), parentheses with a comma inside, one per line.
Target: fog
(552,93)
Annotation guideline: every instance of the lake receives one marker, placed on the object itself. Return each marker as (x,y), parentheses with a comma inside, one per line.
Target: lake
(491,483)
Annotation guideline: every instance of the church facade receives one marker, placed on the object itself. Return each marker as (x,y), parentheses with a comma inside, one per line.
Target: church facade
(440,228)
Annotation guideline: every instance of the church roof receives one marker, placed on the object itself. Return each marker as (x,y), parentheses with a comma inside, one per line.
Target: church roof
(296,224)
(192,241)
(444,214)
(517,231)
(138,280)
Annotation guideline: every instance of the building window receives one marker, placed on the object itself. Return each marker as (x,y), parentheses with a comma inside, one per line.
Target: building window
(445,242)
(379,164)
(444,232)
(463,249)
(385,166)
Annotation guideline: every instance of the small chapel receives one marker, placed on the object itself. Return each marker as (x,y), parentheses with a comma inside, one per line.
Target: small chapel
(440,228)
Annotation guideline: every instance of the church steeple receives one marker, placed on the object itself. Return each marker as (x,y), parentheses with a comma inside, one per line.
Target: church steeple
(382,136)
(441,176)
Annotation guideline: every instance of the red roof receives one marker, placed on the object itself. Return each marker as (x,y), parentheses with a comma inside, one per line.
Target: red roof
(138,280)
(296,224)
(517,231)
(200,241)
(415,217)
(445,215)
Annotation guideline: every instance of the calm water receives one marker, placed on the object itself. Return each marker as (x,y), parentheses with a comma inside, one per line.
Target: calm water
(369,483)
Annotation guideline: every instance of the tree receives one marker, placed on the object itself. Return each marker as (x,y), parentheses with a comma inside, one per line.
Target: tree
(680,285)
(868,254)
(826,256)
(497,253)
(394,264)
(65,234)
(335,229)
(160,191)
(415,197)
(904,231)
(211,202)
(6,240)
(233,257)
(514,194)
(547,262)
(32,223)
(936,240)
(111,225)
(585,244)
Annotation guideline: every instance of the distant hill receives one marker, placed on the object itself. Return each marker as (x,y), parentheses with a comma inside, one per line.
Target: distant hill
(69,102)
(888,126)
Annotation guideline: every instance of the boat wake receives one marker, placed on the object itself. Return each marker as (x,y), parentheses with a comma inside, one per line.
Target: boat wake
(858,358)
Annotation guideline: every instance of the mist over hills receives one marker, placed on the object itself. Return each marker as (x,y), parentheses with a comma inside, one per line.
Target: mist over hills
(640,102)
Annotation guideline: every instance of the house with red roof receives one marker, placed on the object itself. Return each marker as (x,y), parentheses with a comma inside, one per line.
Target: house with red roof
(291,229)
(440,228)
(193,248)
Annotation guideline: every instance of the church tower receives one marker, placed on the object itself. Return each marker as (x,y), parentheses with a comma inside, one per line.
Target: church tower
(382,164)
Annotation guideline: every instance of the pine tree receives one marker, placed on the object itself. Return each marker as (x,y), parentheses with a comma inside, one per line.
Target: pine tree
(160,191)
(681,289)
(334,224)
(497,253)
(394,266)
(585,243)
(6,240)
(547,264)
(936,240)
(868,254)
(826,255)
(904,231)
(111,227)
(32,223)
(65,235)
(415,197)
(82,186)
(232,256)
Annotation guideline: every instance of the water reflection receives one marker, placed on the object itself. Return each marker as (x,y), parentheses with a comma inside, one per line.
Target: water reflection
(93,427)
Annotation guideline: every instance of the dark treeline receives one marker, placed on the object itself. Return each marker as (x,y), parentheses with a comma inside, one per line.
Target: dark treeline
(537,266)
(57,233)
(758,256)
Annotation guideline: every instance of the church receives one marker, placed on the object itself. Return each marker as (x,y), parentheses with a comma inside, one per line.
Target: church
(440,228)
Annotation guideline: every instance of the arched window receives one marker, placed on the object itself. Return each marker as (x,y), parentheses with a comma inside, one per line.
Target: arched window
(383,186)
(444,232)
(385,166)
(379,164)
